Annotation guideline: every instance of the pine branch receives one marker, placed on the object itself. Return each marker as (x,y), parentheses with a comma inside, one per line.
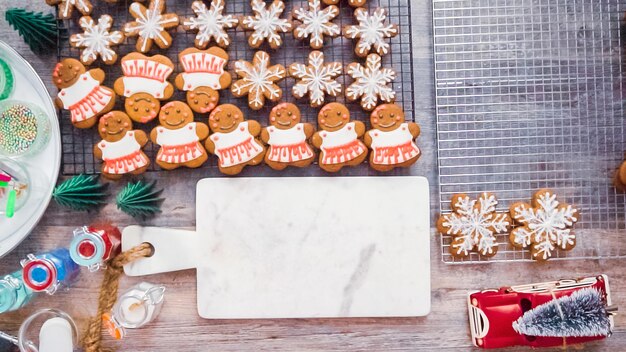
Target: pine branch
(38,29)
(81,193)
(140,199)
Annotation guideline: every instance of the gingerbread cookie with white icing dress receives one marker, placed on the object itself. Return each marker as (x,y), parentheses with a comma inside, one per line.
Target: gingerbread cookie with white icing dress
(121,147)
(234,140)
(392,140)
(203,75)
(286,138)
(338,138)
(179,137)
(81,92)
(144,84)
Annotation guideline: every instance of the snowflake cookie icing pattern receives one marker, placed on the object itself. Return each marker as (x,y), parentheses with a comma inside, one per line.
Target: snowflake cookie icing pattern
(97,40)
(371,32)
(546,225)
(210,23)
(370,82)
(66,7)
(150,25)
(266,23)
(316,79)
(316,23)
(473,225)
(258,80)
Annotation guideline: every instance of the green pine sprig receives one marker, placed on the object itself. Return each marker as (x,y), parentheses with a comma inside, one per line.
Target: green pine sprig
(81,193)
(39,30)
(140,199)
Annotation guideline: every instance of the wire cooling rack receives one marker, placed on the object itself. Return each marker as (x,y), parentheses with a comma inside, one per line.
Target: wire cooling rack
(77,144)
(530,95)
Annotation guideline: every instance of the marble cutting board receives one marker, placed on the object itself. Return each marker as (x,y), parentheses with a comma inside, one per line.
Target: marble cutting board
(301,247)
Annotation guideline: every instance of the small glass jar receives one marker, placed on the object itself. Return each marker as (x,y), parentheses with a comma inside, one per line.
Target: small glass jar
(48,271)
(13,292)
(93,245)
(14,187)
(136,307)
(48,330)
(24,128)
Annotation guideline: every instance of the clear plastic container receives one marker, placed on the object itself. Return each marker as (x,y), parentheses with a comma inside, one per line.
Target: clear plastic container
(48,330)
(15,192)
(24,128)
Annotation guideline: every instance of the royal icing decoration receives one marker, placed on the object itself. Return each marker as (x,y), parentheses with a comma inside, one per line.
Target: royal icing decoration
(123,156)
(288,146)
(341,146)
(150,25)
(316,23)
(180,145)
(393,147)
(202,69)
(474,224)
(144,75)
(97,40)
(66,7)
(85,99)
(371,32)
(210,23)
(546,225)
(316,79)
(370,82)
(258,80)
(266,23)
(236,147)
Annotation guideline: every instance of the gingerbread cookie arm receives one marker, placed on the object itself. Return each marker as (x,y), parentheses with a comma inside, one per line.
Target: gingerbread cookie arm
(359,128)
(58,103)
(97,74)
(308,130)
(254,127)
(265,136)
(202,131)
(153,135)
(97,152)
(209,145)
(367,139)
(414,129)
(316,140)
(141,137)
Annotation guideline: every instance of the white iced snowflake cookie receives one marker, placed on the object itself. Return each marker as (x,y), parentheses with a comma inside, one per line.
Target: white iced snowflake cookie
(546,224)
(316,23)
(370,83)
(316,79)
(151,25)
(258,80)
(266,23)
(210,23)
(473,225)
(371,32)
(96,40)
(66,7)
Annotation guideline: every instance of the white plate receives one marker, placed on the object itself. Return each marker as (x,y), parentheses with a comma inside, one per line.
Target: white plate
(43,167)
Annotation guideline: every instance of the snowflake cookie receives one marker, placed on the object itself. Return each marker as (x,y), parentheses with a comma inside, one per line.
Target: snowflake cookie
(97,40)
(353,3)
(316,23)
(66,7)
(316,79)
(371,32)
(210,23)
(151,25)
(473,225)
(370,82)
(266,23)
(258,80)
(546,224)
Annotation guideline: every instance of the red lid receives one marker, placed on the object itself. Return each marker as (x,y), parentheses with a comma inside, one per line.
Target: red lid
(39,274)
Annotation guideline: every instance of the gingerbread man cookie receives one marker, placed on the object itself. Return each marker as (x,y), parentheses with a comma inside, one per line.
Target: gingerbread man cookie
(315,23)
(258,80)
(338,138)
(266,23)
(392,140)
(121,147)
(371,32)
(371,83)
(286,138)
(81,92)
(210,23)
(353,3)
(317,79)
(66,7)
(144,84)
(234,139)
(151,25)
(97,40)
(179,137)
(203,74)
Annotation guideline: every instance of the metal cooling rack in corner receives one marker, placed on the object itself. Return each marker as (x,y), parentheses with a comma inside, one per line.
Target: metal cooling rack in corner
(530,95)
(78,144)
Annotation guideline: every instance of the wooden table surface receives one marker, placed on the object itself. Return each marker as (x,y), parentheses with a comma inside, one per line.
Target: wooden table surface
(179,327)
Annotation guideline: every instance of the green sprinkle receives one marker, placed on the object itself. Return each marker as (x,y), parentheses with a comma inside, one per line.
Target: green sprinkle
(10,210)
(18,129)
(4,184)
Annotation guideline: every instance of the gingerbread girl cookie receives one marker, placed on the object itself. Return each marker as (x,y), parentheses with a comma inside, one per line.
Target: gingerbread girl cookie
(266,23)
(315,23)
(286,138)
(179,137)
(210,23)
(96,40)
(391,139)
(66,7)
(144,83)
(121,147)
(338,138)
(371,32)
(151,25)
(81,92)
(258,80)
(203,74)
(234,140)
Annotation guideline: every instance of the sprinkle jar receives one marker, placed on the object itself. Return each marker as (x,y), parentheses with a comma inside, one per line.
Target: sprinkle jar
(24,128)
